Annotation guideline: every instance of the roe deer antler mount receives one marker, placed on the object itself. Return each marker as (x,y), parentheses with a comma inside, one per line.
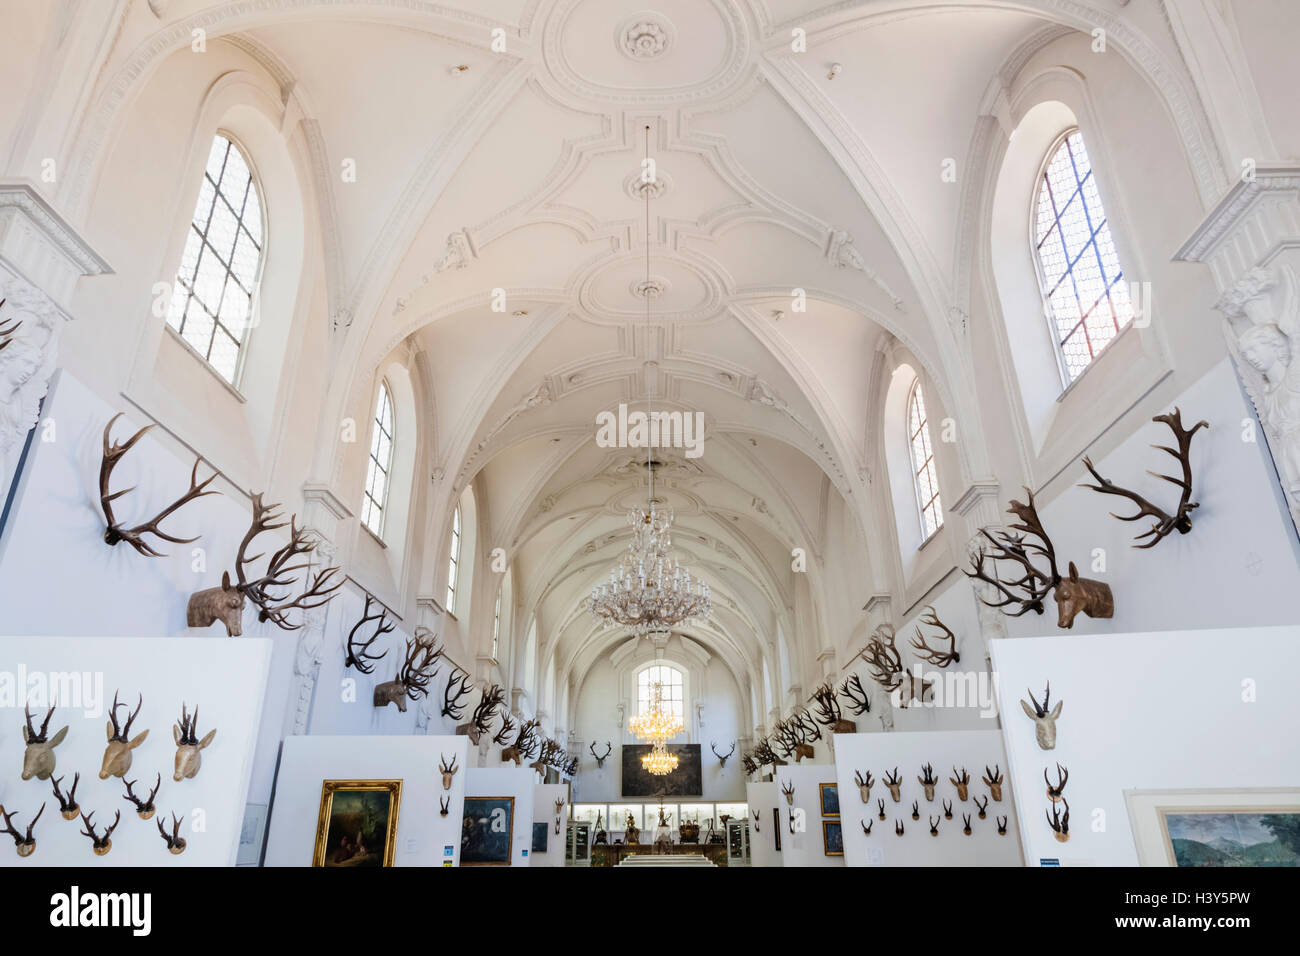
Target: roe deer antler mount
(38,758)
(1044,721)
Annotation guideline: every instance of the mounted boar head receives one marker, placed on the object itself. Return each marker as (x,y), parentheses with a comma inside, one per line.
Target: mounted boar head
(38,758)
(1044,722)
(188,745)
(117,755)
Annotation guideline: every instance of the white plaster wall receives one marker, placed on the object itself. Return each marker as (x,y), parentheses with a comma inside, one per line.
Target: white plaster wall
(544,797)
(224,679)
(520,784)
(422,833)
(803,847)
(763,797)
(944,750)
(1148,712)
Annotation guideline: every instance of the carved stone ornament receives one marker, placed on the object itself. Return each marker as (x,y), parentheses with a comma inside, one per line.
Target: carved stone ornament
(645,37)
(844,255)
(1264,340)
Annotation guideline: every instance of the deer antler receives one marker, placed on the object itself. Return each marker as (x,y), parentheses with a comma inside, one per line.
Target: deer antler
(1164,522)
(359,655)
(883,660)
(146,805)
(492,698)
(936,655)
(859,702)
(508,727)
(7,329)
(419,668)
(114,532)
(281,570)
(123,734)
(828,706)
(1028,591)
(458,687)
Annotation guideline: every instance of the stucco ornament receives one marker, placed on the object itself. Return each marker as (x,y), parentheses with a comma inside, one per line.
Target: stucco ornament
(26,364)
(645,38)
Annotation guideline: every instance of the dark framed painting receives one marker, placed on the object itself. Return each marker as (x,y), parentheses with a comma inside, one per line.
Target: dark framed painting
(830,799)
(776,826)
(686,781)
(541,833)
(487,831)
(832,838)
(357,825)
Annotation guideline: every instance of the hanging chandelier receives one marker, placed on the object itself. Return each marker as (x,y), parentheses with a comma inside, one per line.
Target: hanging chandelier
(649,591)
(658,724)
(659,761)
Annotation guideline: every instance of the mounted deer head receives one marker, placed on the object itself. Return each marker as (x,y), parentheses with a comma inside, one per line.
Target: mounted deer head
(1181,520)
(1060,824)
(117,755)
(38,758)
(894,782)
(756,818)
(1028,591)
(225,603)
(749,764)
(444,806)
(965,828)
(1002,825)
(981,807)
(551,752)
(505,731)
(928,781)
(916,810)
(795,735)
(962,782)
(175,842)
(113,531)
(993,779)
(947,809)
(100,844)
(828,712)
(934,826)
(601,758)
(67,802)
(722,758)
(898,827)
(484,713)
(787,788)
(459,686)
(884,662)
(525,745)
(188,745)
(765,754)
(559,806)
(856,694)
(1044,722)
(1054,792)
(358,652)
(866,826)
(448,770)
(880,804)
(413,675)
(864,784)
(144,809)
(24,843)
(937,656)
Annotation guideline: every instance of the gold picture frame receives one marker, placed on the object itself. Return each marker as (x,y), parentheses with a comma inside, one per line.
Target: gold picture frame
(832,838)
(828,796)
(341,801)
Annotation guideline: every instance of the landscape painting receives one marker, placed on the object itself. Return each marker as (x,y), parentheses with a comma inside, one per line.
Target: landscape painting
(487,831)
(686,781)
(357,824)
(1233,839)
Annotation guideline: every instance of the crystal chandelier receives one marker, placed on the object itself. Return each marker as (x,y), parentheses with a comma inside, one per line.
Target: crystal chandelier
(657,725)
(659,761)
(649,591)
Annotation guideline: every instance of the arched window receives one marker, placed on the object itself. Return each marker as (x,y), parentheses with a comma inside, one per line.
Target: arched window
(453,561)
(496,626)
(671,679)
(925,475)
(380,464)
(1079,271)
(212,301)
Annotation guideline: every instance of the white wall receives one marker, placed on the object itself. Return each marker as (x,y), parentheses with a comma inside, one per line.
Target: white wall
(763,797)
(544,797)
(224,679)
(804,847)
(422,833)
(881,754)
(1180,710)
(510,782)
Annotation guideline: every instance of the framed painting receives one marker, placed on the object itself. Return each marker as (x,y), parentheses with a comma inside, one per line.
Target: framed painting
(487,831)
(832,838)
(830,799)
(1216,828)
(357,825)
(776,826)
(686,781)
(540,836)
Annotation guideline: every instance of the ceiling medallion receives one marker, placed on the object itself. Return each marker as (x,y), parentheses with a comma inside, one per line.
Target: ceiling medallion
(651,287)
(645,36)
(636,188)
